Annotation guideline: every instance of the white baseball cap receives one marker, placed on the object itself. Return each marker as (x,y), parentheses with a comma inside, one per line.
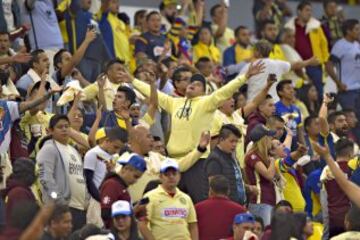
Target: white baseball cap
(121,208)
(168,163)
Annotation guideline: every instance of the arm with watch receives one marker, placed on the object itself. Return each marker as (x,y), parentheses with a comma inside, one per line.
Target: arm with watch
(191,158)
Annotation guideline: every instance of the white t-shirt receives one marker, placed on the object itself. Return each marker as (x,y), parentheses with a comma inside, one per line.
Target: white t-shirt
(258,82)
(7,117)
(73,164)
(94,160)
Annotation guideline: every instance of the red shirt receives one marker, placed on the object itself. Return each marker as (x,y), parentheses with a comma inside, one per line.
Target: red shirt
(215,217)
(112,190)
(302,43)
(267,188)
(338,202)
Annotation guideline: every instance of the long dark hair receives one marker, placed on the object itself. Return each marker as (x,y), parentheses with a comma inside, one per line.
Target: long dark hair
(281,226)
(134,233)
(303,96)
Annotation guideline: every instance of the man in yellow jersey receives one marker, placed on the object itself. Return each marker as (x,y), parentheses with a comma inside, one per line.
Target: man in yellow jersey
(170,212)
(190,116)
(105,88)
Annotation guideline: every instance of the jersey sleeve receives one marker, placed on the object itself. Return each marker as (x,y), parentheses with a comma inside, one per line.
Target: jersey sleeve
(13,110)
(90,160)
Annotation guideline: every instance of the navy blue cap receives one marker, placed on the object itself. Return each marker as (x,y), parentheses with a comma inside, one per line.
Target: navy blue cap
(244,218)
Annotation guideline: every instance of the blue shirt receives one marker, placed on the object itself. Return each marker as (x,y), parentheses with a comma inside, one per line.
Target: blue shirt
(347,56)
(291,114)
(150,44)
(45,25)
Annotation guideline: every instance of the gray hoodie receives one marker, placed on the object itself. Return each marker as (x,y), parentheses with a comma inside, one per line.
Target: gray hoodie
(53,175)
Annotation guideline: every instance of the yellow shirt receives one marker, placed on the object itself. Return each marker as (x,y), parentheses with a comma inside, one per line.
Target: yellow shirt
(40,118)
(153,163)
(236,119)
(277,53)
(190,117)
(242,54)
(92,91)
(202,50)
(121,38)
(168,216)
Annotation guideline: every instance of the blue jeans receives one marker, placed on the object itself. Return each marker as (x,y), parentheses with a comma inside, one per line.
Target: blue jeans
(350,100)
(315,73)
(262,210)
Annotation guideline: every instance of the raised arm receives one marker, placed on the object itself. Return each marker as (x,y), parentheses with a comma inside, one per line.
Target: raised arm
(17,58)
(252,105)
(214,100)
(95,127)
(191,158)
(323,114)
(165,101)
(153,103)
(79,54)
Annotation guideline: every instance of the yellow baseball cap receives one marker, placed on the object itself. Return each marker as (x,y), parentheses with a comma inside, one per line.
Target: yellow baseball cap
(169,2)
(100,134)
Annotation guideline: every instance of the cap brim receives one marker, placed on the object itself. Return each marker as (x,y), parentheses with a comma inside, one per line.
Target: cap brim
(169,167)
(124,213)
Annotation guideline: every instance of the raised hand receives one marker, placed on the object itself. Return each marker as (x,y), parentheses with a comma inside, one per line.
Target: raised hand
(323,151)
(90,35)
(255,69)
(204,139)
(302,149)
(101,80)
(126,77)
(99,112)
(328,98)
(272,78)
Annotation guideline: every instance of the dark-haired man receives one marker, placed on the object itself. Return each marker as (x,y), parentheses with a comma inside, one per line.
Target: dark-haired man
(241,50)
(115,185)
(289,112)
(39,66)
(310,42)
(222,162)
(206,68)
(106,86)
(60,224)
(217,206)
(153,43)
(61,170)
(181,79)
(337,202)
(64,62)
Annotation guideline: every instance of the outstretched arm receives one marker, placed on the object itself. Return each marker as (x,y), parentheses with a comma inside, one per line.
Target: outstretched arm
(216,98)
(323,114)
(78,55)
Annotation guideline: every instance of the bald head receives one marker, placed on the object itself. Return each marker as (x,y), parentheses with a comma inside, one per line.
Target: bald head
(141,140)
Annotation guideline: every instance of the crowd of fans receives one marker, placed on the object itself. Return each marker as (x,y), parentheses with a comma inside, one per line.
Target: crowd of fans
(173,127)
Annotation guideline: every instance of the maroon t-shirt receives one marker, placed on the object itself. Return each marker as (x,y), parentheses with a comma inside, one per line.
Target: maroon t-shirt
(215,217)
(303,44)
(338,202)
(267,188)
(112,190)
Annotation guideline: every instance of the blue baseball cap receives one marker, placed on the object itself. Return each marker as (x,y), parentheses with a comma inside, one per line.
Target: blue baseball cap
(136,162)
(244,218)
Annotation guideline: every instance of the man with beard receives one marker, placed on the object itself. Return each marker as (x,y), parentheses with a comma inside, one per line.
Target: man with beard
(339,128)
